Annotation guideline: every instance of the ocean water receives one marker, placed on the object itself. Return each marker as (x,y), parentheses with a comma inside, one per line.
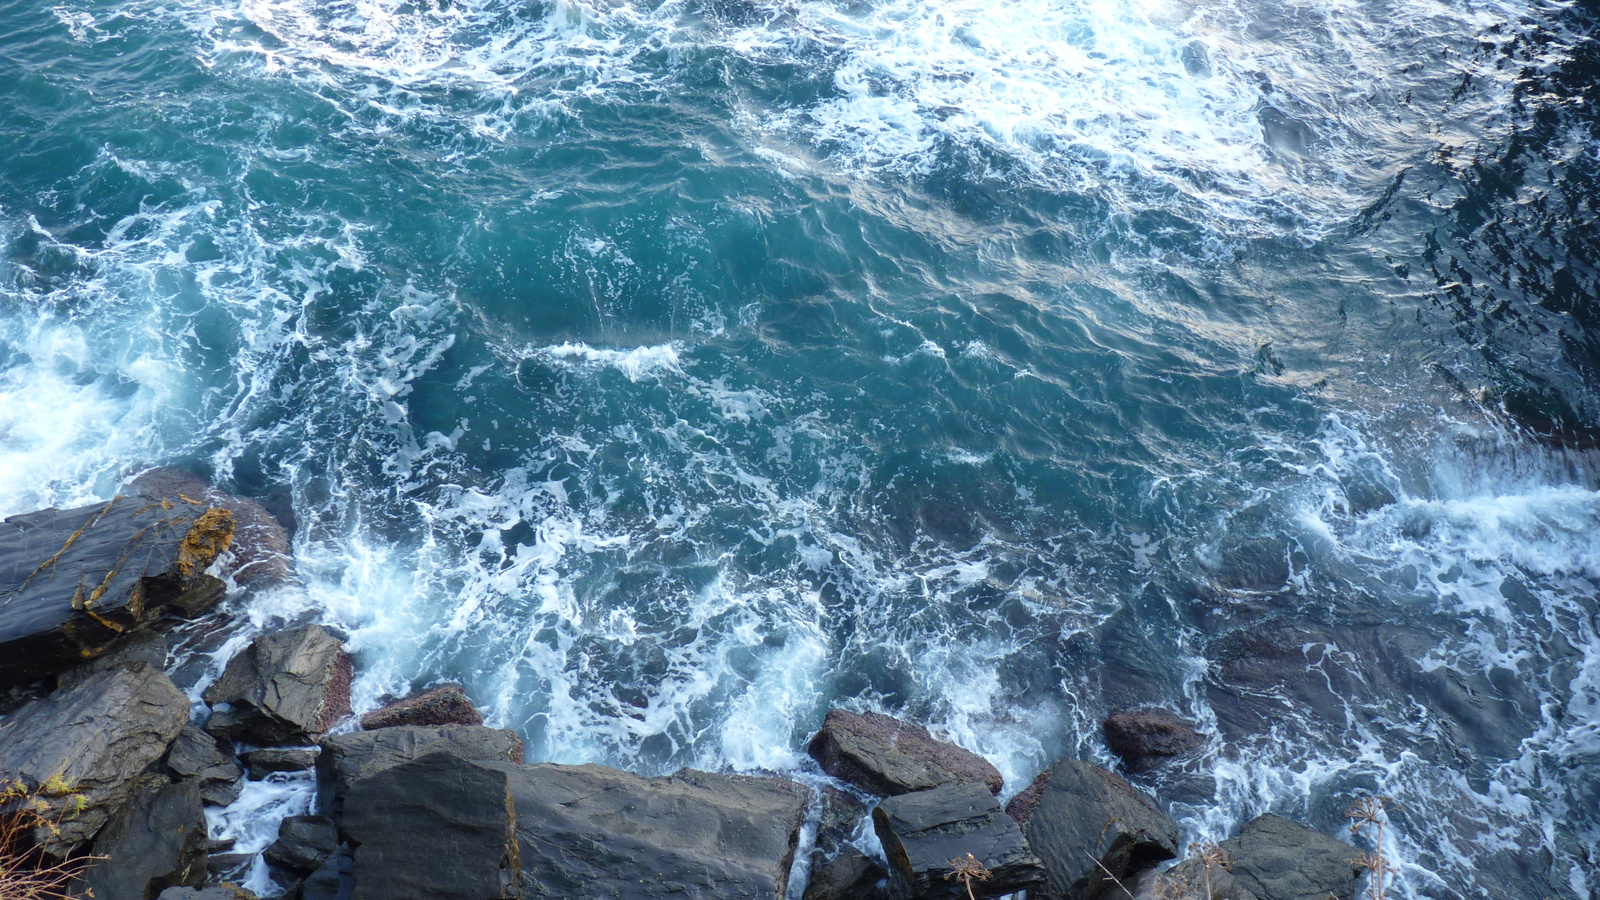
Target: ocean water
(669,371)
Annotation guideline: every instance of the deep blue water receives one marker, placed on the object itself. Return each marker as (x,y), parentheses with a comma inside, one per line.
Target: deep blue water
(667,372)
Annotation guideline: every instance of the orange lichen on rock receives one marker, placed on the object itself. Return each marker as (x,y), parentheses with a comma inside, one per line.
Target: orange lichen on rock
(208,537)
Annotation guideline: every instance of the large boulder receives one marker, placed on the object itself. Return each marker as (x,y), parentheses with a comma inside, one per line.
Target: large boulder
(196,755)
(72,581)
(437,827)
(444,705)
(260,544)
(926,832)
(155,842)
(304,843)
(84,748)
(287,687)
(1083,821)
(1272,858)
(885,756)
(347,758)
(1145,738)
(594,832)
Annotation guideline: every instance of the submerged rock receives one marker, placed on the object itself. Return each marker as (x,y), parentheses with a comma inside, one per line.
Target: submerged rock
(1079,818)
(157,841)
(73,581)
(196,755)
(444,705)
(347,758)
(287,687)
(1272,858)
(85,748)
(924,832)
(261,543)
(1148,737)
(885,756)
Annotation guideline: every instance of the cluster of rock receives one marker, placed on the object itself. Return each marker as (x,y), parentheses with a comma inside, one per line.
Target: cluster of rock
(421,799)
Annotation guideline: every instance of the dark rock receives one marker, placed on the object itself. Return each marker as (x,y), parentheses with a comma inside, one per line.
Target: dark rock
(886,756)
(1086,814)
(214,892)
(841,813)
(849,875)
(261,543)
(73,581)
(333,880)
(1276,859)
(155,842)
(347,758)
(262,763)
(923,832)
(437,827)
(445,705)
(303,843)
(287,687)
(1147,737)
(85,747)
(590,831)
(1254,564)
(202,594)
(196,755)
(226,867)
(147,647)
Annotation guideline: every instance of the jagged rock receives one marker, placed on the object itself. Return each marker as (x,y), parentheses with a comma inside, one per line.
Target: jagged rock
(849,875)
(591,831)
(214,892)
(147,647)
(444,705)
(203,594)
(85,747)
(155,842)
(261,543)
(923,831)
(72,581)
(262,763)
(1272,858)
(227,867)
(347,758)
(437,826)
(885,756)
(304,843)
(287,687)
(1147,737)
(196,755)
(1082,814)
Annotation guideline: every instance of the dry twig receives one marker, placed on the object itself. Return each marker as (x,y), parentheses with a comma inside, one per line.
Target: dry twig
(968,869)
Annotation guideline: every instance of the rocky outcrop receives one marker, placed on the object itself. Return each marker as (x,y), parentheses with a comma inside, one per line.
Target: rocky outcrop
(261,543)
(196,756)
(1083,818)
(347,758)
(155,842)
(444,705)
(73,581)
(923,832)
(287,687)
(885,756)
(84,748)
(1145,738)
(303,844)
(591,831)
(262,763)
(1272,858)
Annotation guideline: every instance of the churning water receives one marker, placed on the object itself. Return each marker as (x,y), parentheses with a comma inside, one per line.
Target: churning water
(668,371)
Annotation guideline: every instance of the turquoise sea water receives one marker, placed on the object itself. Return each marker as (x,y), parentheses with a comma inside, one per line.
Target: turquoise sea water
(667,372)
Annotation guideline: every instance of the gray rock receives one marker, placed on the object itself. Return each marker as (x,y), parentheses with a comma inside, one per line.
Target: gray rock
(601,834)
(214,892)
(923,832)
(73,581)
(444,705)
(1084,818)
(147,647)
(347,758)
(196,755)
(204,592)
(885,756)
(333,880)
(437,827)
(262,763)
(849,875)
(1276,859)
(85,747)
(304,843)
(1147,737)
(287,687)
(155,842)
(228,867)
(260,544)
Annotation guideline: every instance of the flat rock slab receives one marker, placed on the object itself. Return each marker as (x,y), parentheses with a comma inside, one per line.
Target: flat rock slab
(347,758)
(886,756)
(85,747)
(602,834)
(287,687)
(923,832)
(264,762)
(444,705)
(1145,738)
(155,842)
(196,755)
(72,581)
(261,543)
(1079,817)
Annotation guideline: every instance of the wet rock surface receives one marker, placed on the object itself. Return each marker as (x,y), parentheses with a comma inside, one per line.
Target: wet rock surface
(214,892)
(1084,817)
(86,747)
(886,756)
(1145,738)
(261,542)
(287,687)
(197,756)
(444,705)
(304,843)
(850,875)
(157,841)
(347,758)
(262,763)
(922,832)
(73,581)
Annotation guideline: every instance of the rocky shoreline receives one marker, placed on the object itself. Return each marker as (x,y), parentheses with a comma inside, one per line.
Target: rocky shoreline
(421,799)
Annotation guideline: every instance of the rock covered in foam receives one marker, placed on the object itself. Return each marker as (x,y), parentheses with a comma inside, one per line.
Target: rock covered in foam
(925,831)
(886,756)
(287,687)
(444,705)
(1147,737)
